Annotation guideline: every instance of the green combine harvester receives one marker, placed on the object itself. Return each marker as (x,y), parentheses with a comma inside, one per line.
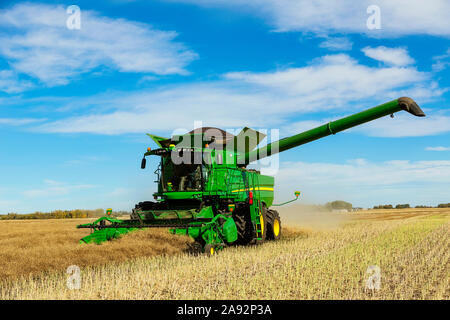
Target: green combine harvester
(206,191)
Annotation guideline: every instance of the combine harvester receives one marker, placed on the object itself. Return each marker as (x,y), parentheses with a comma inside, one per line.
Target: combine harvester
(206,191)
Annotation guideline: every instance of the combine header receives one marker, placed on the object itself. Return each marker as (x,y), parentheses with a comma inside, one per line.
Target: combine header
(206,191)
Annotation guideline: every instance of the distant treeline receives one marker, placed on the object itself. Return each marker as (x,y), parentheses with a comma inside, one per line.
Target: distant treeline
(61,214)
(406,205)
(339,205)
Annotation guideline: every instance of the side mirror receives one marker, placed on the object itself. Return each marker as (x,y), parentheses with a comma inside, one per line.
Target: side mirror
(143,163)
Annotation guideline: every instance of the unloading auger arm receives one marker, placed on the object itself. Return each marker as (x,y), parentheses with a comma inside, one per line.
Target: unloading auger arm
(333,127)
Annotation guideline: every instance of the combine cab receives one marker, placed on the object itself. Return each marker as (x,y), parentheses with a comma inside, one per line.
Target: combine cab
(206,191)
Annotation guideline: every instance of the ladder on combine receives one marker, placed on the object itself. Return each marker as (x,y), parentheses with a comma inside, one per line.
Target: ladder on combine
(256,208)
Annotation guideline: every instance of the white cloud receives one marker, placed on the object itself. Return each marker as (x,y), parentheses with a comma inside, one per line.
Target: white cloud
(391,56)
(147,79)
(18,122)
(403,125)
(300,126)
(267,99)
(10,82)
(5,206)
(53,189)
(36,42)
(118,192)
(337,44)
(333,78)
(400,17)
(170,108)
(83,160)
(440,148)
(366,183)
(442,62)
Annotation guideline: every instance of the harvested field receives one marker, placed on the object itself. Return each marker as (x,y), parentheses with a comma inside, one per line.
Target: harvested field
(33,246)
(410,247)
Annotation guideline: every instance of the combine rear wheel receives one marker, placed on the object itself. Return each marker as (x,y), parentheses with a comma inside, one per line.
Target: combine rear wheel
(273,225)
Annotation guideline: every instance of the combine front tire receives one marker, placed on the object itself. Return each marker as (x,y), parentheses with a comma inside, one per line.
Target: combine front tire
(242,220)
(273,225)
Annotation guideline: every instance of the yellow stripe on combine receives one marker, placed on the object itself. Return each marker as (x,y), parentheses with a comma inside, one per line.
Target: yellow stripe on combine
(254,189)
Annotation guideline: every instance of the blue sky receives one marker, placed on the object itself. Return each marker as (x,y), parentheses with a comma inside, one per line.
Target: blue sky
(75,104)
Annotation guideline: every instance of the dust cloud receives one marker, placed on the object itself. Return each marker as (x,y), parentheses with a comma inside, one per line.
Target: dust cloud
(311,216)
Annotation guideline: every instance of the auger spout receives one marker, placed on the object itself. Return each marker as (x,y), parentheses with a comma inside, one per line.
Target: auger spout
(333,127)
